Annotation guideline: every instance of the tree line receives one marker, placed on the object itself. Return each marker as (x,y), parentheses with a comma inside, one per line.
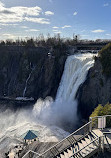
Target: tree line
(56,40)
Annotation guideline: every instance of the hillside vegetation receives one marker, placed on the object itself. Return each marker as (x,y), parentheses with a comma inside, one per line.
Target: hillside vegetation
(101,111)
(105,57)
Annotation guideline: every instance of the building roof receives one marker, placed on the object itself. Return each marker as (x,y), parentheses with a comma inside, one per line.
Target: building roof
(29,135)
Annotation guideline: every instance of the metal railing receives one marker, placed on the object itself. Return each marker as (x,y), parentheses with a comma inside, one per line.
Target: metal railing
(31,154)
(67,142)
(100,122)
(81,150)
(98,142)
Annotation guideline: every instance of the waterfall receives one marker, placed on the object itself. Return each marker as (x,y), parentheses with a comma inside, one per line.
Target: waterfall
(63,111)
(75,71)
(32,68)
(26,84)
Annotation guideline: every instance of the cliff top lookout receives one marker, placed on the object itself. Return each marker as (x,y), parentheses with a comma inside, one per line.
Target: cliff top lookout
(92,139)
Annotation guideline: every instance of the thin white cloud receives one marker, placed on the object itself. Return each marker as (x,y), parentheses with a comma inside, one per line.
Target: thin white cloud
(55,30)
(24,27)
(27,11)
(66,26)
(48,13)
(108,34)
(8,36)
(13,36)
(5,24)
(10,18)
(98,31)
(20,14)
(84,35)
(55,27)
(75,13)
(32,30)
(106,5)
(38,20)
(58,32)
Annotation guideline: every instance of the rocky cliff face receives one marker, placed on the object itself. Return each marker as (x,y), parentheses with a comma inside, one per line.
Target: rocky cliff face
(29,72)
(95,90)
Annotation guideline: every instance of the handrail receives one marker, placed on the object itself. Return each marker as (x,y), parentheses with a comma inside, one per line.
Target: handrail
(101,116)
(106,132)
(86,146)
(66,138)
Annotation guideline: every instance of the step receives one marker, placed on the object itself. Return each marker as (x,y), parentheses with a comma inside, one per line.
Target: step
(97,133)
(85,144)
(62,156)
(90,138)
(108,139)
(91,146)
(70,152)
(66,154)
(92,152)
(80,146)
(77,156)
(75,149)
(94,144)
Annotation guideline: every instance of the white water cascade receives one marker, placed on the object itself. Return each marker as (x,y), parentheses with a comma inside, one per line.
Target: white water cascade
(75,71)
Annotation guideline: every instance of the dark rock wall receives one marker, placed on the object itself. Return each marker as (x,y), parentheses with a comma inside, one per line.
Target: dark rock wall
(95,90)
(16,63)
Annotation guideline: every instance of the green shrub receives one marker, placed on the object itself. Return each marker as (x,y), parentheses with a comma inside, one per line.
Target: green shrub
(97,111)
(100,111)
(105,58)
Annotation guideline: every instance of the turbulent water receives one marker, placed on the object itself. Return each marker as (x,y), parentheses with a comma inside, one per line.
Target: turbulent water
(48,116)
(13,125)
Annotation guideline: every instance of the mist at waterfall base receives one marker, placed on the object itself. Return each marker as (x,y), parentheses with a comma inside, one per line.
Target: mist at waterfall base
(60,113)
(47,116)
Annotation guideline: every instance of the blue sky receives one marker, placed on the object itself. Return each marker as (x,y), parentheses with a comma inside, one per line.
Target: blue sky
(29,18)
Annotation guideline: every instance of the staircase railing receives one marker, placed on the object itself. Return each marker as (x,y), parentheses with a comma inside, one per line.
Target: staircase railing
(79,152)
(67,142)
